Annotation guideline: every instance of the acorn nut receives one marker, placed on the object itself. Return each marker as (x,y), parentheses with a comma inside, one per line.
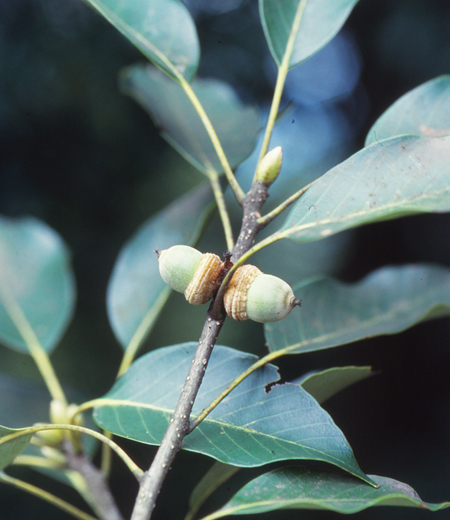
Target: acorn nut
(250,294)
(188,271)
(259,297)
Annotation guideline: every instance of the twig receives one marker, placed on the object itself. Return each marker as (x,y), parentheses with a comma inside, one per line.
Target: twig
(105,505)
(179,425)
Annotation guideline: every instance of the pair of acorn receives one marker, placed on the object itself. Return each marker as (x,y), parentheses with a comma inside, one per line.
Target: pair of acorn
(250,294)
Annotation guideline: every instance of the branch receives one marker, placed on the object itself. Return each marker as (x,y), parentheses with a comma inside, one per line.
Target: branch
(105,505)
(179,426)
(179,423)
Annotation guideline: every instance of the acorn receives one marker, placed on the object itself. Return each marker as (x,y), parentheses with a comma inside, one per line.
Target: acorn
(259,297)
(188,271)
(250,294)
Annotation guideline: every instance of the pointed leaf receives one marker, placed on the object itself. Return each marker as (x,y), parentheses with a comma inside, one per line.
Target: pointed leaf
(236,125)
(37,286)
(398,177)
(425,111)
(249,428)
(327,383)
(302,488)
(136,292)
(163,30)
(387,301)
(9,450)
(320,21)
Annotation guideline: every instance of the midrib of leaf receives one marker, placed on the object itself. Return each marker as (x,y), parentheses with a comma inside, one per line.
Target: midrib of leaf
(380,209)
(115,20)
(223,424)
(376,320)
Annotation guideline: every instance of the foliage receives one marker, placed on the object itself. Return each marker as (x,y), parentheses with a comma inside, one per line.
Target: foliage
(243,415)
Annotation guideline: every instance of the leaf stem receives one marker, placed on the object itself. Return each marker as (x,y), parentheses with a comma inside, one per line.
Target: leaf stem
(37,351)
(234,185)
(142,331)
(283,70)
(269,217)
(221,206)
(45,495)
(132,466)
(258,364)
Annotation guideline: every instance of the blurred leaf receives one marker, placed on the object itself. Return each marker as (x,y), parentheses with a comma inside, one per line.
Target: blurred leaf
(163,30)
(212,480)
(136,292)
(236,125)
(387,301)
(398,177)
(27,401)
(327,383)
(302,488)
(251,427)
(425,111)
(37,286)
(11,449)
(321,20)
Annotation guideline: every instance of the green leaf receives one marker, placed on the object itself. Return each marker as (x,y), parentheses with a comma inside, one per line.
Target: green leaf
(9,450)
(173,113)
(163,30)
(136,292)
(425,111)
(387,301)
(37,286)
(327,383)
(251,427)
(398,177)
(321,20)
(302,488)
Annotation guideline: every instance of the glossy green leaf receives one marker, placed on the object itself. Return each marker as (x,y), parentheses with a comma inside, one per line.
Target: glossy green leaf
(302,488)
(163,30)
(37,286)
(249,428)
(425,111)
(9,450)
(387,301)
(321,385)
(398,177)
(320,21)
(212,480)
(327,383)
(236,124)
(136,292)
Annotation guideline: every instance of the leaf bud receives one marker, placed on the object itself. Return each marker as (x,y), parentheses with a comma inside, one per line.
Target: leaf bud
(270,166)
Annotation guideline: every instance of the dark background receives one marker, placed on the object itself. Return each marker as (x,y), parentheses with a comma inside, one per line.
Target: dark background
(86,160)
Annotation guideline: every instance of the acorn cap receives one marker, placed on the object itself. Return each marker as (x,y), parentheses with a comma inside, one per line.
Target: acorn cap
(235,297)
(205,280)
